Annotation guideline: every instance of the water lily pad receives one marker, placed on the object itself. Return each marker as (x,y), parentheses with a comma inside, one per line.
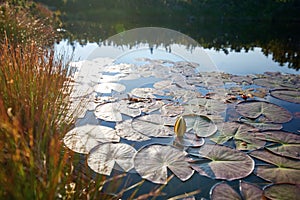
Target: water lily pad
(271,112)
(109,87)
(287,95)
(282,170)
(261,125)
(190,140)
(223,191)
(125,130)
(113,111)
(207,106)
(247,191)
(221,162)
(146,92)
(267,82)
(103,158)
(287,144)
(243,135)
(171,110)
(152,162)
(161,85)
(154,125)
(250,191)
(282,192)
(83,138)
(200,124)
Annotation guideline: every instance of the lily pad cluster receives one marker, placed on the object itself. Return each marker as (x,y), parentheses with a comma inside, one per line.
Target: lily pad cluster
(231,130)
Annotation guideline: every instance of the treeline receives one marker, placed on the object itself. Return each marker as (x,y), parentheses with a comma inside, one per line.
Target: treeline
(230,25)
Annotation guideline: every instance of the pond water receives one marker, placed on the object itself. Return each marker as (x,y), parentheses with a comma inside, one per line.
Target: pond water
(146,86)
(218,62)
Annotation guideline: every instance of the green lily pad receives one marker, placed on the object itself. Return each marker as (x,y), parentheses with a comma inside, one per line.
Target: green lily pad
(250,191)
(146,92)
(243,135)
(271,112)
(282,192)
(152,162)
(190,140)
(113,111)
(261,125)
(200,124)
(207,106)
(125,130)
(282,170)
(247,191)
(222,191)
(103,158)
(287,95)
(171,110)
(221,162)
(83,138)
(287,144)
(154,125)
(109,87)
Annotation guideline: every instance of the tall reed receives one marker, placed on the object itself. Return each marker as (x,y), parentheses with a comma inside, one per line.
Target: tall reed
(33,117)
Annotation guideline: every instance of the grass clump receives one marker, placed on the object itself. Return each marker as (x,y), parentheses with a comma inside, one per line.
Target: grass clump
(33,116)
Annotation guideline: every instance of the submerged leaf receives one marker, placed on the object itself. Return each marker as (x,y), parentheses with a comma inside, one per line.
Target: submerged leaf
(272,112)
(83,138)
(287,95)
(102,159)
(200,124)
(223,162)
(282,170)
(152,162)
(282,192)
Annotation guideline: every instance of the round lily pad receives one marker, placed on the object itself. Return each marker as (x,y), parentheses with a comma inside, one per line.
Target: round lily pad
(287,95)
(221,162)
(286,143)
(272,113)
(222,191)
(190,140)
(109,87)
(200,124)
(102,159)
(125,130)
(281,170)
(83,138)
(247,191)
(152,162)
(113,111)
(282,192)
(243,135)
(250,191)
(153,125)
